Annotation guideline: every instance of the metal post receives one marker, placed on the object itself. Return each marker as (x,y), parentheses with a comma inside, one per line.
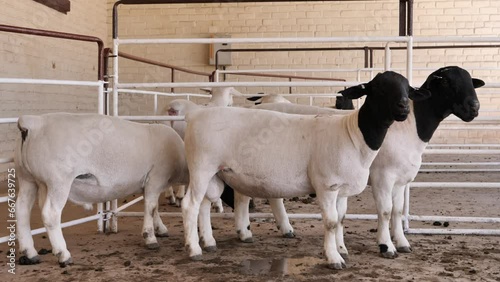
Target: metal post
(409,60)
(387,65)
(406,209)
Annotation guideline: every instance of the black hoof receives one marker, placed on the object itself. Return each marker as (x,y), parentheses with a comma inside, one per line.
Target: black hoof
(153,246)
(66,263)
(24,260)
(389,255)
(344,256)
(210,249)
(247,240)
(162,235)
(337,266)
(404,249)
(289,235)
(196,258)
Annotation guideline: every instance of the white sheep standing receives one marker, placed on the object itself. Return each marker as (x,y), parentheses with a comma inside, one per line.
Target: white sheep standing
(90,158)
(221,97)
(295,155)
(397,163)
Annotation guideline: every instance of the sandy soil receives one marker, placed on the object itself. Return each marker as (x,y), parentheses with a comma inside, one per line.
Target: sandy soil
(123,257)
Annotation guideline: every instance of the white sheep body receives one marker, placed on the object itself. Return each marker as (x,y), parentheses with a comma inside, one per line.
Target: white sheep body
(89,158)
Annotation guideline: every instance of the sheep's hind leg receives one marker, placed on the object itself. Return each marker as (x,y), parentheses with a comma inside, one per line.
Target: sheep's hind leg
(25,201)
(242,217)
(152,221)
(56,197)
(205,226)
(198,185)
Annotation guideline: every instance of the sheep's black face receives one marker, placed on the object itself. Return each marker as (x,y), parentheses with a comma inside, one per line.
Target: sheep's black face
(454,92)
(391,91)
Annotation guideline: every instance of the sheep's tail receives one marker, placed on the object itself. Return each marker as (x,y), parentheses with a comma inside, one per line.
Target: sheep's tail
(28,123)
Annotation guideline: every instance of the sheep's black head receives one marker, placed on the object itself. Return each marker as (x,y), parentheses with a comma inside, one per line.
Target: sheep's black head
(343,103)
(453,92)
(387,94)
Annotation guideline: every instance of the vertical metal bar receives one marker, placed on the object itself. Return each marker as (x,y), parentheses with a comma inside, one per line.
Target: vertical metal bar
(100,220)
(100,98)
(115,19)
(290,88)
(115,77)
(387,54)
(155,104)
(409,60)
(107,222)
(366,56)
(114,217)
(172,78)
(371,58)
(409,25)
(402,17)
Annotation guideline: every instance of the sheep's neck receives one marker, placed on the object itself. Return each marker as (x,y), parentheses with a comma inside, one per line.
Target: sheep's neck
(373,126)
(428,116)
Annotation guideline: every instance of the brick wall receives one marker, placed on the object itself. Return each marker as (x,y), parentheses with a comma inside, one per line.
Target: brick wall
(25,56)
(313,19)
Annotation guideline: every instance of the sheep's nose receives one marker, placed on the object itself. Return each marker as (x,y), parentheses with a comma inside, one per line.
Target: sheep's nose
(474,105)
(403,103)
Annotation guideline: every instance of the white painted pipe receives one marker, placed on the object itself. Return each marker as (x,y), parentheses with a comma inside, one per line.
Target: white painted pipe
(461,164)
(63,225)
(146,92)
(100,98)
(254,215)
(115,77)
(264,40)
(460,152)
(152,118)
(409,60)
(100,219)
(4,199)
(8,120)
(460,170)
(441,231)
(387,54)
(134,201)
(455,218)
(49,81)
(6,160)
(494,185)
(240,84)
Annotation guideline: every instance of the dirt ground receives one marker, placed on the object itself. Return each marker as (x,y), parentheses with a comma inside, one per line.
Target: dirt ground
(123,257)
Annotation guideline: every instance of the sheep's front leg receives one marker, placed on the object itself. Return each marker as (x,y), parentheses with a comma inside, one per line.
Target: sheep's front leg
(341,209)
(281,217)
(327,201)
(57,195)
(382,191)
(205,225)
(402,244)
(242,217)
(25,201)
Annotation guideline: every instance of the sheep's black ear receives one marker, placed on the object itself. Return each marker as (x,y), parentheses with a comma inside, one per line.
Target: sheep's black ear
(477,82)
(419,94)
(254,98)
(355,92)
